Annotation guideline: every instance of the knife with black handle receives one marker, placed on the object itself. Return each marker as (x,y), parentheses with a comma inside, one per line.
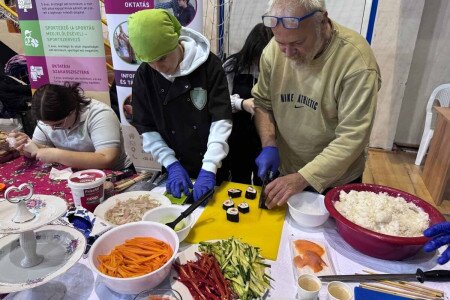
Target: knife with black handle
(421,276)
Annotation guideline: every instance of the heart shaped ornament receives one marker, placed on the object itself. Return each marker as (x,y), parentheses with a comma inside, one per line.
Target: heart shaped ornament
(19,196)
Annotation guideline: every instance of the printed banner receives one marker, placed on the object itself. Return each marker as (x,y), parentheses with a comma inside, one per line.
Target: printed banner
(125,63)
(63,41)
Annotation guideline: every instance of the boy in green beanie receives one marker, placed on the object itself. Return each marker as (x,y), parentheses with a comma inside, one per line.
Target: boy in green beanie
(181,104)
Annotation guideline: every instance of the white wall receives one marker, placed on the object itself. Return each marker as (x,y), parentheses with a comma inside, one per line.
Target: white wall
(246,14)
(430,67)
(411,42)
(394,40)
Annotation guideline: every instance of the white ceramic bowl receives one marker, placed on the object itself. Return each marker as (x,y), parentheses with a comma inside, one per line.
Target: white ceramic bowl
(119,235)
(308,209)
(169,213)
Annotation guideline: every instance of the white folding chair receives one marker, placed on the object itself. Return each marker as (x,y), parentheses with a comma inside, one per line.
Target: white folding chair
(441,95)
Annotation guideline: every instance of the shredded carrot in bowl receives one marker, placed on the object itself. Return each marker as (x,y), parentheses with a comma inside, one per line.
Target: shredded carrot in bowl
(136,257)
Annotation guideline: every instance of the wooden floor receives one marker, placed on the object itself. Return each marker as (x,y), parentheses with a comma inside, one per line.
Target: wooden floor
(397,169)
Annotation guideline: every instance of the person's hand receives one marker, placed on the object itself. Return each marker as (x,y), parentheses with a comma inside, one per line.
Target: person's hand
(20,139)
(178,180)
(4,146)
(206,181)
(440,234)
(267,160)
(47,155)
(249,105)
(282,188)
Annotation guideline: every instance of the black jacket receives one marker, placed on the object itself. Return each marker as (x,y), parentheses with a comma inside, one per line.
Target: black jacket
(15,97)
(167,108)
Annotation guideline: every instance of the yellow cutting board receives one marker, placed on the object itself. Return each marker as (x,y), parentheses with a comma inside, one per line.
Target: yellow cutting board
(260,227)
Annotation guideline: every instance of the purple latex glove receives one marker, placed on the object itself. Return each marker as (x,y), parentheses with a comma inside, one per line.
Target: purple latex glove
(268,160)
(206,181)
(178,180)
(440,234)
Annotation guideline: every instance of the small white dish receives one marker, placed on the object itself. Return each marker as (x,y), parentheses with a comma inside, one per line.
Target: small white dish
(338,290)
(308,287)
(308,209)
(166,214)
(103,207)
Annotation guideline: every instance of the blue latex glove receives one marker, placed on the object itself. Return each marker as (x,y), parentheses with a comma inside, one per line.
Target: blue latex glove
(178,180)
(268,161)
(206,181)
(440,234)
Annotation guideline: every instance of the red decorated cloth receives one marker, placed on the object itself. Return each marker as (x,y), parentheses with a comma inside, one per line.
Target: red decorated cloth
(26,170)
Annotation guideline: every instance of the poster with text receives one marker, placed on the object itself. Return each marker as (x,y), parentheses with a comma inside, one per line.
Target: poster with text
(125,62)
(63,42)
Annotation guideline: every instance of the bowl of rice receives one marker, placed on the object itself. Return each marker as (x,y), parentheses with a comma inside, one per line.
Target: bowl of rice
(380,221)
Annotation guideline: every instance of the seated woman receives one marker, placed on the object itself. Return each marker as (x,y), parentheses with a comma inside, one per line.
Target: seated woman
(73,130)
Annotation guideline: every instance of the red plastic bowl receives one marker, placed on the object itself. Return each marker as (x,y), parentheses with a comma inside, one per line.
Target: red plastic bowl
(373,243)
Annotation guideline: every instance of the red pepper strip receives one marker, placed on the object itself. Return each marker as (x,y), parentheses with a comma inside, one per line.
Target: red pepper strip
(221,279)
(201,284)
(195,290)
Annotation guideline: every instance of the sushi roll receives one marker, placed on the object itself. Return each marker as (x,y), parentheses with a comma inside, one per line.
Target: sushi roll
(234,193)
(250,193)
(233,214)
(227,204)
(243,207)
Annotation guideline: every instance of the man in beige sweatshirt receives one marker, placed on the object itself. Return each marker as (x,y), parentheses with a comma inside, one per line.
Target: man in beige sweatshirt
(315,100)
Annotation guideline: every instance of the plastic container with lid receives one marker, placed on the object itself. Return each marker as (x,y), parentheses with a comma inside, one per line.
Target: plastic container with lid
(87,188)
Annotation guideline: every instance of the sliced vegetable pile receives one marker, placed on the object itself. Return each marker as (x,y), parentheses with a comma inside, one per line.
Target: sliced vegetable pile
(136,257)
(241,265)
(204,278)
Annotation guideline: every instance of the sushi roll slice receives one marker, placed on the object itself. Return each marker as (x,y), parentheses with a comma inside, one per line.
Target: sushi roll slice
(243,207)
(250,193)
(234,193)
(227,204)
(233,214)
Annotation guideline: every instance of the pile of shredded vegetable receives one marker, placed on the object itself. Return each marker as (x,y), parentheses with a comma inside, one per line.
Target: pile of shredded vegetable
(242,265)
(130,210)
(204,278)
(136,257)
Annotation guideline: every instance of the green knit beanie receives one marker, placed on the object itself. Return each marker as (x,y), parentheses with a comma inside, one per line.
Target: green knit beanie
(153,33)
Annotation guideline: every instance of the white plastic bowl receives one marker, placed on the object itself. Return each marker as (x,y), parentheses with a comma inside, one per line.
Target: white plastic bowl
(169,213)
(308,209)
(118,236)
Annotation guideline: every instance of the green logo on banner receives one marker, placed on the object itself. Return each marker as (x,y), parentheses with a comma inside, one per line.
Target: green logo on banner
(31,36)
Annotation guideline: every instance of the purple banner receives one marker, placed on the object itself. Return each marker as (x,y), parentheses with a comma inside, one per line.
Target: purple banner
(38,71)
(124,78)
(89,71)
(126,7)
(27,10)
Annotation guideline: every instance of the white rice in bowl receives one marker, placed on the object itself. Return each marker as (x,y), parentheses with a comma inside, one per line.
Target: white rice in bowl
(383,213)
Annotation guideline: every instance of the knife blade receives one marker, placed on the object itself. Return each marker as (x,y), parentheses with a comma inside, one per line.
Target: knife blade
(158,180)
(421,276)
(148,185)
(262,197)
